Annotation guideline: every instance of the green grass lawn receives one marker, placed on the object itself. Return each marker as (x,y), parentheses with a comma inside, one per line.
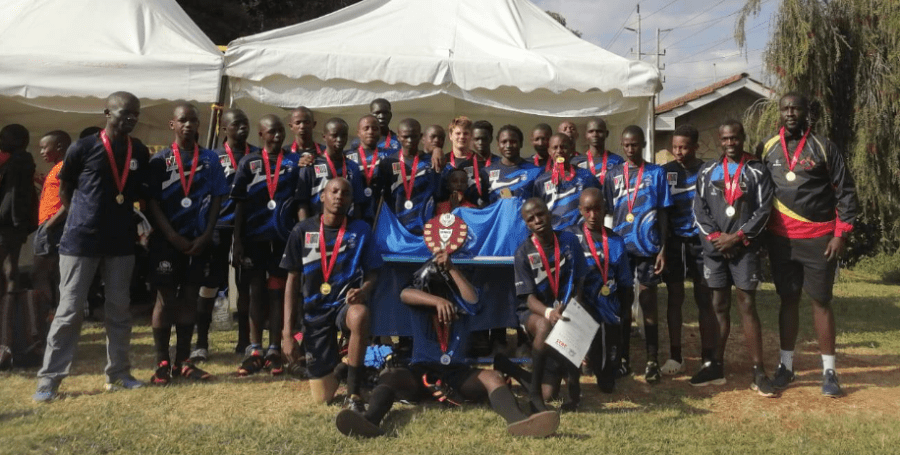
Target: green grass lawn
(266,415)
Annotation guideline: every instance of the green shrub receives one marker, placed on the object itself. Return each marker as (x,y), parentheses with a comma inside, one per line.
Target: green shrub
(883,265)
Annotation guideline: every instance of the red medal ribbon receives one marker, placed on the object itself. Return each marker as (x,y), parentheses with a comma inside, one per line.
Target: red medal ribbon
(328,266)
(537,163)
(367,173)
(453,158)
(556,172)
(387,141)
(637,186)
(443,333)
(604,269)
(792,162)
(408,186)
(591,163)
(272,180)
(732,187)
(295,148)
(120,182)
(186,185)
(554,280)
(334,170)
(231,154)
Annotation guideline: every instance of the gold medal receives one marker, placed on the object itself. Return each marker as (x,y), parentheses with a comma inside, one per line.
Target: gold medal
(629,218)
(560,160)
(505,193)
(604,290)
(325,289)
(790,176)
(120,199)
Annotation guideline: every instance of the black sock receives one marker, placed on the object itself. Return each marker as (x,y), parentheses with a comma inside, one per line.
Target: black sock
(573,383)
(521,337)
(652,332)
(508,368)
(675,353)
(625,339)
(243,320)
(380,403)
(538,365)
(204,320)
(161,340)
(706,354)
(183,334)
(352,380)
(504,403)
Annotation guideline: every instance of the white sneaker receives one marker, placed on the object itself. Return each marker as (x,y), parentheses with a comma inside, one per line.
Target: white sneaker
(672,367)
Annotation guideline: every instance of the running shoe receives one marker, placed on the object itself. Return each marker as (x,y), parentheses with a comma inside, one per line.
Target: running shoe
(762,384)
(126,383)
(830,386)
(782,377)
(651,374)
(711,373)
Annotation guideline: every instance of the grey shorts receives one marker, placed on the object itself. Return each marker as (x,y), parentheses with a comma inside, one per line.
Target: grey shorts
(743,271)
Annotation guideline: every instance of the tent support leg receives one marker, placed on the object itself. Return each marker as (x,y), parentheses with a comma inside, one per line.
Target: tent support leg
(212,134)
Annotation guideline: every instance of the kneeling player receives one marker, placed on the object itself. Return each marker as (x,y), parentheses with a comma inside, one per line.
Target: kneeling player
(443,304)
(330,261)
(732,205)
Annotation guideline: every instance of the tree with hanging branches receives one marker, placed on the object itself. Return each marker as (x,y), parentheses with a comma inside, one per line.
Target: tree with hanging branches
(845,55)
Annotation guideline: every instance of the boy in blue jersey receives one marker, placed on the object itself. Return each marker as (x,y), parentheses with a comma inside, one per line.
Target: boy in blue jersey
(367,155)
(380,109)
(540,140)
(443,303)
(637,195)
(609,281)
(732,205)
(331,164)
(482,137)
(561,186)
(434,137)
(302,123)
(408,182)
(264,215)
(331,263)
(511,176)
(684,252)
(187,185)
(549,271)
(597,159)
(236,129)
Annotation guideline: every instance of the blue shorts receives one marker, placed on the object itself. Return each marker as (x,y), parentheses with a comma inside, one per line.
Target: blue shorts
(320,339)
(46,241)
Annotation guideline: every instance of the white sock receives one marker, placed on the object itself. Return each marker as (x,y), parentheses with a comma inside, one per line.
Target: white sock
(827,363)
(787,359)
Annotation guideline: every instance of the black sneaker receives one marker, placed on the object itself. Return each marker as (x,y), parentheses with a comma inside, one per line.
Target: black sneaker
(355,403)
(830,385)
(351,423)
(711,373)
(652,374)
(761,383)
(782,377)
(624,369)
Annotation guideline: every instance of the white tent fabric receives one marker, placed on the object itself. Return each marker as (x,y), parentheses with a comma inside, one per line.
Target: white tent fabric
(67,56)
(505,54)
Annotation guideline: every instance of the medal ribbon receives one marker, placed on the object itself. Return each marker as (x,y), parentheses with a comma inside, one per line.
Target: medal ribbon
(272,180)
(554,280)
(637,186)
(120,182)
(328,266)
(538,163)
(732,187)
(792,162)
(231,154)
(387,141)
(368,173)
(443,333)
(334,170)
(295,148)
(408,186)
(453,158)
(556,173)
(591,163)
(186,184)
(604,268)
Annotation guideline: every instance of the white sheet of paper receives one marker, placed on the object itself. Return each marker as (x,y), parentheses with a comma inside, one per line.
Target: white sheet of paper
(572,336)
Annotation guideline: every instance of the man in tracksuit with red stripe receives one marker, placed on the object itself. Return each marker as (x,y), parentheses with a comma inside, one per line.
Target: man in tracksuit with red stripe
(813,212)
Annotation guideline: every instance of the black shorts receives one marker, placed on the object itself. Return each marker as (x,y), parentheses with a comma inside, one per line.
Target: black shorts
(220,258)
(46,241)
(321,342)
(643,270)
(170,267)
(684,257)
(264,256)
(800,264)
(12,238)
(742,271)
(453,376)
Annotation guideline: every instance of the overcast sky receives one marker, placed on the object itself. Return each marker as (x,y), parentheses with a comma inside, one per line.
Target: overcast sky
(700,48)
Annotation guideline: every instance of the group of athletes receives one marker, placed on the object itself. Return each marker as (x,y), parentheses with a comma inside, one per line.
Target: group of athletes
(294,218)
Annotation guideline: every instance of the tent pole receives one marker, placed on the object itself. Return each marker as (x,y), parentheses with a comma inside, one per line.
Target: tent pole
(212,135)
(650,150)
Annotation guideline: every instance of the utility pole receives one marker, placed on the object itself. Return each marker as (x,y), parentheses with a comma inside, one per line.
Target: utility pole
(638,32)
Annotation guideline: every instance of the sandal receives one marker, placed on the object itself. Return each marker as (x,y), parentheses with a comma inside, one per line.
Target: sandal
(252,364)
(190,371)
(439,391)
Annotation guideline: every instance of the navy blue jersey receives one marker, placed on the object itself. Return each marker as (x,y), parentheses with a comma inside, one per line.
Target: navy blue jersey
(426,342)
(96,224)
(390,143)
(316,150)
(370,202)
(562,198)
(261,223)
(619,274)
(511,181)
(682,186)
(424,191)
(312,180)
(303,256)
(166,187)
(226,214)
(642,236)
(611,161)
(531,276)
(476,191)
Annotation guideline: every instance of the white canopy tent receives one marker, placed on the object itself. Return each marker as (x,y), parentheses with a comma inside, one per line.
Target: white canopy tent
(60,59)
(506,61)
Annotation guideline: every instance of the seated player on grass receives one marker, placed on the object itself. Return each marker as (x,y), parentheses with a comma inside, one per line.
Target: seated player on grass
(444,304)
(331,262)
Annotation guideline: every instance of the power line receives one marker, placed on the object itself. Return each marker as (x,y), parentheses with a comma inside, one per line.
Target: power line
(687,24)
(664,7)
(618,33)
(718,43)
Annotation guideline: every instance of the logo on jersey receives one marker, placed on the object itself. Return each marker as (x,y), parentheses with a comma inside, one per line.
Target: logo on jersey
(672,178)
(170,163)
(164,267)
(583,165)
(312,239)
(494,174)
(549,187)
(255,166)
(133,165)
(535,260)
(321,170)
(617,180)
(395,167)
(354,157)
